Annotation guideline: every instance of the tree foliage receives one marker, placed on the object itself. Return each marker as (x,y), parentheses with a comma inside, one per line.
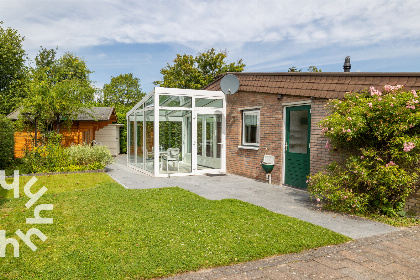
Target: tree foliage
(45,58)
(294,69)
(122,90)
(310,69)
(60,89)
(314,69)
(6,141)
(381,133)
(196,72)
(12,69)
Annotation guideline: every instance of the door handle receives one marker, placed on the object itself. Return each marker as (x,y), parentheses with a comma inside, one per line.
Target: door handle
(286,146)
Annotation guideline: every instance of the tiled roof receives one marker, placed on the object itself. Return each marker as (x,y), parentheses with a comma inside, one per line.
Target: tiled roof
(321,84)
(94,114)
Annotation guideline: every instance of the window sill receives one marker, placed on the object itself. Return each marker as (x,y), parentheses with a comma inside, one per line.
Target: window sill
(249,147)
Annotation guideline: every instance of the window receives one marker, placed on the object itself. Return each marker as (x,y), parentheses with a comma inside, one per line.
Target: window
(251,127)
(86,136)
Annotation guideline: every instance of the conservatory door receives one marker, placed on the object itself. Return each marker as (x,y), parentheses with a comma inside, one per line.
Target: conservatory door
(209,141)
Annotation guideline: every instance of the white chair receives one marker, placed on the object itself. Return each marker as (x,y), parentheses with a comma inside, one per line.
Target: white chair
(150,154)
(172,155)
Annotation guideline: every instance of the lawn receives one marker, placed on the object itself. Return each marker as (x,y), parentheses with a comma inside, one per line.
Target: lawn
(103,231)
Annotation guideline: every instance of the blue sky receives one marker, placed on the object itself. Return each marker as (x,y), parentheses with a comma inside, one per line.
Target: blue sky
(141,37)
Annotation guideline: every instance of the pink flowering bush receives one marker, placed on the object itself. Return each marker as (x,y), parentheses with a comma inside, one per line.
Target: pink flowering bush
(380,130)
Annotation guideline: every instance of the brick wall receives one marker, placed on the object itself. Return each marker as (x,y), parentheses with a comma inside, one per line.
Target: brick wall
(320,155)
(247,162)
(412,204)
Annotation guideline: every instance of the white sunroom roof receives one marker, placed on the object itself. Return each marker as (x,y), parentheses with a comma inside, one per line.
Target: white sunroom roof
(176,92)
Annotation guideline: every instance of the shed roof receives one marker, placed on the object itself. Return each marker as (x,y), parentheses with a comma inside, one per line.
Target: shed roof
(97,113)
(320,84)
(94,114)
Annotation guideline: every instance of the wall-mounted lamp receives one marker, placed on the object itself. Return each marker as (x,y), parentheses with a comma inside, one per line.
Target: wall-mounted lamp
(279,96)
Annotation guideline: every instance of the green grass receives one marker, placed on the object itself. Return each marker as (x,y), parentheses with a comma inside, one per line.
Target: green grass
(103,231)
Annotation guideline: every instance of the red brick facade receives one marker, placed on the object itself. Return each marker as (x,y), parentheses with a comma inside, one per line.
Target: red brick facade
(246,162)
(271,92)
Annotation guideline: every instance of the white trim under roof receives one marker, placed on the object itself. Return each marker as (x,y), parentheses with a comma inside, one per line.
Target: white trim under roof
(250,108)
(297,103)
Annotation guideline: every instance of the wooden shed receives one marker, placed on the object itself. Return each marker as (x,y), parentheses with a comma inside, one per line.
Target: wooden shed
(83,129)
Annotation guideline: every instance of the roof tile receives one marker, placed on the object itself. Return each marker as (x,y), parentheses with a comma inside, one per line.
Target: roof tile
(324,84)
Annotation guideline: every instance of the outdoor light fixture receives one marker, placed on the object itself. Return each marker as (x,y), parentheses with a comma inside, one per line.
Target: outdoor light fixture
(279,96)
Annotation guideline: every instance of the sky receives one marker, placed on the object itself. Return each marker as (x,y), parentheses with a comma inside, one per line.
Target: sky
(141,37)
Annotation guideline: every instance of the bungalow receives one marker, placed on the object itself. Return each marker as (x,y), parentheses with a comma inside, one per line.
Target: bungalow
(271,113)
(288,107)
(97,125)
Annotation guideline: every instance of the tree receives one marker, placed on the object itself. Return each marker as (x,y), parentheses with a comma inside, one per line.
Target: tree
(122,90)
(197,72)
(294,69)
(314,69)
(12,69)
(45,58)
(310,69)
(60,90)
(6,141)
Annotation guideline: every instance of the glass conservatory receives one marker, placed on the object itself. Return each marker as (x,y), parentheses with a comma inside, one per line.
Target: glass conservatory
(178,132)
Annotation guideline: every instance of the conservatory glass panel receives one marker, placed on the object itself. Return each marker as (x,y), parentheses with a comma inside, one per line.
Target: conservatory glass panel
(209,141)
(175,101)
(149,145)
(139,142)
(200,146)
(174,141)
(206,102)
(131,139)
(150,102)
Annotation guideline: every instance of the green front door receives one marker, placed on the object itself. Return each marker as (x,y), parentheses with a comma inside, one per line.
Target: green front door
(298,131)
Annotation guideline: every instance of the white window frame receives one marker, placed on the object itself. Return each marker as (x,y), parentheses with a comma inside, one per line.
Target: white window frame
(251,112)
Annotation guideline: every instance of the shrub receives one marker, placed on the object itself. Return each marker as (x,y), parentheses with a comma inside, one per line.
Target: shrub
(381,134)
(96,157)
(51,156)
(6,141)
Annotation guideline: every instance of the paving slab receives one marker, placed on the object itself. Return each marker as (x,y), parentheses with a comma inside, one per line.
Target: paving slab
(279,199)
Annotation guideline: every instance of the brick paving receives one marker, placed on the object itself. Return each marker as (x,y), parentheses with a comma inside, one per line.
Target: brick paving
(394,255)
